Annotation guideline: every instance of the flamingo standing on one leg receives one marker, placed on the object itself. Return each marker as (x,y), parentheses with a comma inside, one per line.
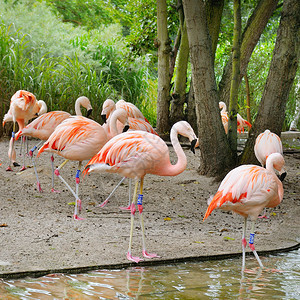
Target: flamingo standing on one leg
(43,127)
(137,153)
(76,138)
(265,144)
(247,190)
(116,123)
(23,107)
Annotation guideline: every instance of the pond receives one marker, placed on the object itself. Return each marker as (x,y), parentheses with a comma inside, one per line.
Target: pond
(199,280)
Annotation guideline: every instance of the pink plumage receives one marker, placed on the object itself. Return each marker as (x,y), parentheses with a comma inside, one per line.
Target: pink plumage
(247,190)
(137,153)
(265,144)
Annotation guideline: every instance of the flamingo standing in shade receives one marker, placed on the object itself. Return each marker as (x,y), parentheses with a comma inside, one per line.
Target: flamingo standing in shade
(23,107)
(109,106)
(117,122)
(265,144)
(241,123)
(137,153)
(247,190)
(43,126)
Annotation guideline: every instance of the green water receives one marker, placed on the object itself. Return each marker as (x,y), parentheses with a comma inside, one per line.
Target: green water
(205,280)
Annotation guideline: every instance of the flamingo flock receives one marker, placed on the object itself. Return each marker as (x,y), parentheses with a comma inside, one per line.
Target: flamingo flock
(126,144)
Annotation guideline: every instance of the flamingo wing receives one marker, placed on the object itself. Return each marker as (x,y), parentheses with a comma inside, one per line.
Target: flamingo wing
(132,154)
(76,138)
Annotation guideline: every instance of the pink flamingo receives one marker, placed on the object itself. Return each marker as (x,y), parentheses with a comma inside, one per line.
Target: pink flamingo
(137,153)
(109,106)
(42,127)
(117,122)
(247,190)
(265,144)
(23,107)
(76,138)
(241,123)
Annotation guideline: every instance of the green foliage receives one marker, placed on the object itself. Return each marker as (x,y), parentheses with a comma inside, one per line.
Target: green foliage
(67,62)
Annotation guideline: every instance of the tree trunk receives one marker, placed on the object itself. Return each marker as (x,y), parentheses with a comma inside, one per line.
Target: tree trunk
(280,79)
(215,155)
(179,95)
(163,94)
(235,82)
(251,34)
(214,10)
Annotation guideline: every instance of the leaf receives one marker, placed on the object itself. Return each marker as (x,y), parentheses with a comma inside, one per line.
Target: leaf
(227,238)
(71,203)
(197,242)
(273,214)
(181,216)
(167,219)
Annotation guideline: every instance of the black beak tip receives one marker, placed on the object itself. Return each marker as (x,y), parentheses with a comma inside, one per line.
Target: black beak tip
(193,143)
(89,112)
(103,117)
(126,127)
(282,176)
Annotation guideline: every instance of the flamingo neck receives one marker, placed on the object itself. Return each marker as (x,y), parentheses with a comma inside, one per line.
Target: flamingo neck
(181,164)
(270,168)
(77,108)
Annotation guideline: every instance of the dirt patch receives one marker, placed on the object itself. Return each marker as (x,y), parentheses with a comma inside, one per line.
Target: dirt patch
(38,233)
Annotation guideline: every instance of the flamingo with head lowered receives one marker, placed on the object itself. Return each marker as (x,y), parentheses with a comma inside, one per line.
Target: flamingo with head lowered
(137,153)
(23,107)
(43,126)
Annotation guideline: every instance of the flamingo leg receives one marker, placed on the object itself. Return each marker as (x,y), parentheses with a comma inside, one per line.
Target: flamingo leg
(251,245)
(128,207)
(77,200)
(77,180)
(53,190)
(244,244)
(133,210)
(109,196)
(11,150)
(34,166)
(140,208)
(23,142)
(36,175)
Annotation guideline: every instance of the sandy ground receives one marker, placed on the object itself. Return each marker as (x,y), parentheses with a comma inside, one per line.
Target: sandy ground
(38,233)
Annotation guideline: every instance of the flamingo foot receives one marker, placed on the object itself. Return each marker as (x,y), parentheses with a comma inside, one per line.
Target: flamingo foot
(75,217)
(9,168)
(16,164)
(39,187)
(133,258)
(149,255)
(55,191)
(103,203)
(126,207)
(22,169)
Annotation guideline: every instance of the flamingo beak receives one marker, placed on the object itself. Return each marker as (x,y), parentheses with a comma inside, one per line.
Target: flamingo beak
(282,176)
(103,117)
(89,112)
(126,127)
(193,143)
